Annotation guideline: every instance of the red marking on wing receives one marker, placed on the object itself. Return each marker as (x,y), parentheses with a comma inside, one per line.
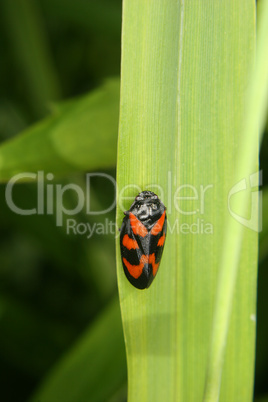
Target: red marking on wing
(129,243)
(134,270)
(154,265)
(158,226)
(138,228)
(161,241)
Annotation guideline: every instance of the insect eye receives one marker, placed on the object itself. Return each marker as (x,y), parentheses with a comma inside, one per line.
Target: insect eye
(154,206)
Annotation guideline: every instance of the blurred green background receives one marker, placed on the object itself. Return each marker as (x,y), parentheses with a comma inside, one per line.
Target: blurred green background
(57,290)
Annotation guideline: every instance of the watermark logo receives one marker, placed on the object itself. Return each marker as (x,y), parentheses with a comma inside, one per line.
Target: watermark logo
(76,228)
(189,202)
(47,193)
(254,222)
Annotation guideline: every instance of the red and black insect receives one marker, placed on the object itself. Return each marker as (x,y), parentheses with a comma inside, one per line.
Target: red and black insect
(142,239)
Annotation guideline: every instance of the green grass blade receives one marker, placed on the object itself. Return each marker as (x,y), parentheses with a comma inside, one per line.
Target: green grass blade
(94,368)
(81,135)
(185,70)
(245,166)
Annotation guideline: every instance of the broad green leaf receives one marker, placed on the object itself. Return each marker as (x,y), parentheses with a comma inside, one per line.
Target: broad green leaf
(185,74)
(94,369)
(232,250)
(80,135)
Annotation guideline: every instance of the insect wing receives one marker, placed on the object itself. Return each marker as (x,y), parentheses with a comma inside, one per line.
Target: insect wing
(157,242)
(133,255)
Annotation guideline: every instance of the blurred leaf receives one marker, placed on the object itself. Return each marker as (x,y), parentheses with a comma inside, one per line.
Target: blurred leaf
(94,369)
(263,238)
(35,353)
(261,399)
(97,16)
(80,135)
(261,366)
(11,120)
(185,71)
(28,40)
